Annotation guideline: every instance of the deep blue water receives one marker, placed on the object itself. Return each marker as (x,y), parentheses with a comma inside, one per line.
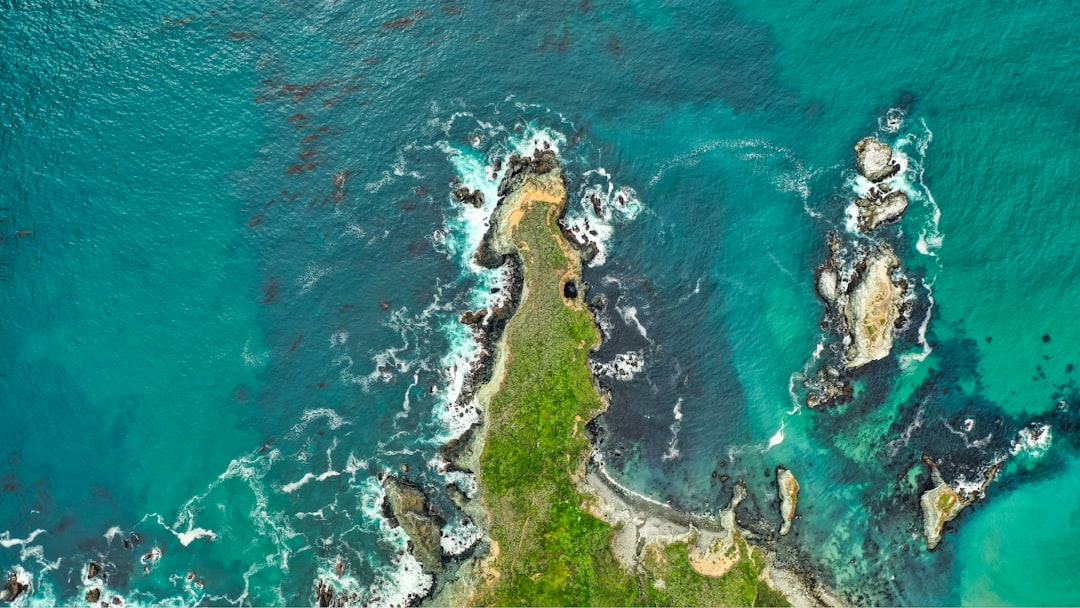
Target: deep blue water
(231,273)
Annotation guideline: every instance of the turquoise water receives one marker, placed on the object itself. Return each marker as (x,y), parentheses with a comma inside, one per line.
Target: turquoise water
(231,273)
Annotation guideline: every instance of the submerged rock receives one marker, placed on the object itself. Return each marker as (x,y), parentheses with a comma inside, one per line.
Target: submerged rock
(874,160)
(828,388)
(877,210)
(407,505)
(873,308)
(788,488)
(942,503)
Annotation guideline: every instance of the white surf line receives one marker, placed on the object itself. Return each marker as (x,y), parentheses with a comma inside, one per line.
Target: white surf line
(7,542)
(599,459)
(190,535)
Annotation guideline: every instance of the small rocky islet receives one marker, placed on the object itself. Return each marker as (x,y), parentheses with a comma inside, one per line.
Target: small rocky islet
(868,301)
(862,285)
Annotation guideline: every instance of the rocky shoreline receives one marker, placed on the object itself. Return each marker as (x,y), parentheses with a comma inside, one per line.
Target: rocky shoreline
(641,523)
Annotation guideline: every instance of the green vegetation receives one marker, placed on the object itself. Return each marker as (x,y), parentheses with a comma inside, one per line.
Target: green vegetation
(740,586)
(550,550)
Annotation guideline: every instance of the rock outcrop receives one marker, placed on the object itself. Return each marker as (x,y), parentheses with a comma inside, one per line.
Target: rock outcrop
(876,208)
(13,588)
(407,505)
(874,160)
(942,503)
(542,168)
(474,197)
(873,308)
(788,488)
(828,284)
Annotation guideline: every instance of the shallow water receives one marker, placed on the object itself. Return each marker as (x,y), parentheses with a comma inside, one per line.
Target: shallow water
(237,301)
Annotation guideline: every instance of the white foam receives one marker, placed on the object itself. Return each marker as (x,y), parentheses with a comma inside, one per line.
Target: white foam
(113,532)
(907,359)
(406,404)
(963,433)
(794,178)
(311,275)
(776,439)
(623,367)
(254,359)
(894,446)
(1033,440)
(334,421)
(600,207)
(193,534)
(466,482)
(403,578)
(598,459)
(8,542)
(379,184)
(892,121)
(914,183)
(629,315)
(673,445)
(292,487)
(339,338)
(458,537)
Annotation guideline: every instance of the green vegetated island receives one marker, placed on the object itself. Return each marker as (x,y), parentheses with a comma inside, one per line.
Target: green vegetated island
(557,533)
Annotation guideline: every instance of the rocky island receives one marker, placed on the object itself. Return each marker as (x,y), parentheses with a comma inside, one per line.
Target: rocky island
(788,488)
(873,307)
(942,503)
(862,285)
(557,532)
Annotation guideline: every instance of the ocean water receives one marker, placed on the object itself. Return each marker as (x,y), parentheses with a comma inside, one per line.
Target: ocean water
(231,274)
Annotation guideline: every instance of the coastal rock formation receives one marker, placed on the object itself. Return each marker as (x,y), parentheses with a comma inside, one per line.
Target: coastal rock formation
(873,308)
(828,283)
(874,160)
(788,488)
(13,588)
(942,503)
(407,505)
(474,197)
(876,209)
(470,317)
(541,170)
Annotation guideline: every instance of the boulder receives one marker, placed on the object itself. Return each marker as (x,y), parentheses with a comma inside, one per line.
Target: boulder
(474,318)
(878,210)
(828,283)
(788,488)
(407,505)
(874,160)
(473,197)
(13,588)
